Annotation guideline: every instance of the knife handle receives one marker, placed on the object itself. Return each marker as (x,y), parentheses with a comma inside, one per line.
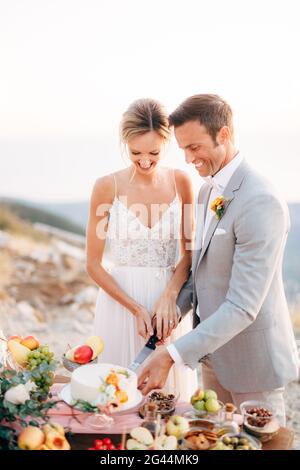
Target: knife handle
(151,343)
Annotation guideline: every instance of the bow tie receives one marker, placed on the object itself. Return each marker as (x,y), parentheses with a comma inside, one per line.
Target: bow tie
(213,184)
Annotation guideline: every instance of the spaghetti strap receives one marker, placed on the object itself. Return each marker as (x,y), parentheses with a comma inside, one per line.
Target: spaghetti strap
(175,186)
(116,188)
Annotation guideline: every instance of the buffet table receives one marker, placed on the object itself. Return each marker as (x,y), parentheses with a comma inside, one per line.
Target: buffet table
(84,435)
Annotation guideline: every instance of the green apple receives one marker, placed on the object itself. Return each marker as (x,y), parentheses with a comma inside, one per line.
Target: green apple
(210,394)
(198,396)
(199,405)
(177,426)
(212,405)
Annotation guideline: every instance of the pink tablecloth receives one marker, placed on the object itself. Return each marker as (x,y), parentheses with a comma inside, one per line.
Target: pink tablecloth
(123,422)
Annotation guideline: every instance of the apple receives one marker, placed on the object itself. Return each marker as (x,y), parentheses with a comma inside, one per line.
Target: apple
(210,394)
(97,345)
(212,405)
(31,438)
(177,426)
(142,435)
(30,342)
(53,427)
(83,354)
(55,441)
(166,443)
(199,405)
(198,396)
(16,338)
(18,351)
(132,444)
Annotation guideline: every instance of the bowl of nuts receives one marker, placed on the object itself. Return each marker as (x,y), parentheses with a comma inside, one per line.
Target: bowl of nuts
(259,419)
(165,401)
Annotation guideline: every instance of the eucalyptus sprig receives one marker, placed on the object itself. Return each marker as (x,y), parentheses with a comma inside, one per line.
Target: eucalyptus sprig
(85,406)
(31,412)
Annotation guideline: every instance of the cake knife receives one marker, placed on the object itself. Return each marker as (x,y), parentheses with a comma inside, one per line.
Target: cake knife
(144,352)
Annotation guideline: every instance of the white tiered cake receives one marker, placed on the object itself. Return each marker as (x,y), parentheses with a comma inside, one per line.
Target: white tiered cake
(104,384)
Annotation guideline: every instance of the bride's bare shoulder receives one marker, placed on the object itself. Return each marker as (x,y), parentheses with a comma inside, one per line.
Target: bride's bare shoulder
(104,189)
(184,184)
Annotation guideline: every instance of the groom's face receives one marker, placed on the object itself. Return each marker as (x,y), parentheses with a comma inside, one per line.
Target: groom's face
(207,156)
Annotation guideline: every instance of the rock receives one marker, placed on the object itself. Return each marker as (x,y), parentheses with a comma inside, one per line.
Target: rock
(4,239)
(87,295)
(67,299)
(69,250)
(25,309)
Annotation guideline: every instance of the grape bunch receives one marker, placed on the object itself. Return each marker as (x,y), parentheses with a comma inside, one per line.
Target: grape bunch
(41,364)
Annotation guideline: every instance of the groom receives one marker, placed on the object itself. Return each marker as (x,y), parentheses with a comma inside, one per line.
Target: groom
(242,332)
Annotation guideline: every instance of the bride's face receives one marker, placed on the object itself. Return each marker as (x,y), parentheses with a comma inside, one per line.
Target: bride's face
(145,151)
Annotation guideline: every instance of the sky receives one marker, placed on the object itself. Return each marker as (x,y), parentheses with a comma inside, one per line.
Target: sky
(70,68)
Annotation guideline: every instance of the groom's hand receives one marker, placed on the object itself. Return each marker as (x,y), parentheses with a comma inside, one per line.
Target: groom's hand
(155,373)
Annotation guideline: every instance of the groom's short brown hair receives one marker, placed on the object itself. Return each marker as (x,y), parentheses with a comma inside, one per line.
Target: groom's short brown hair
(211,111)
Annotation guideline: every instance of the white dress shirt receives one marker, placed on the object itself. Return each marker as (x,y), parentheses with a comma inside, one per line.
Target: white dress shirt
(218,182)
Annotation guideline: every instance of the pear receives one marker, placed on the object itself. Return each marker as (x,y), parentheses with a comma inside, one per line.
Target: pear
(97,345)
(18,351)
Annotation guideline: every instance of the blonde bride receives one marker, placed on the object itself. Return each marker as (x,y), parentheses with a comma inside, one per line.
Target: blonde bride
(139,244)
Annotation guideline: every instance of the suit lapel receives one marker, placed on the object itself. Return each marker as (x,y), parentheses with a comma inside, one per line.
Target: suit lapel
(229,194)
(201,212)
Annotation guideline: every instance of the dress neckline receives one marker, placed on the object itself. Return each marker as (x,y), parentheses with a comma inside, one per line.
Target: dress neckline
(139,220)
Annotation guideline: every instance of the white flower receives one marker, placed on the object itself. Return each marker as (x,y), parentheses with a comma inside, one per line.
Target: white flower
(30,386)
(17,395)
(107,395)
(111,392)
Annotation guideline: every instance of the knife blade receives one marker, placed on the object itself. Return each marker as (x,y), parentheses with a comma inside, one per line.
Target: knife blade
(144,352)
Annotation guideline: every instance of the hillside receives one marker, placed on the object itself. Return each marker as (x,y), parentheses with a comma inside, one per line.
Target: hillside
(73,217)
(42,214)
(78,214)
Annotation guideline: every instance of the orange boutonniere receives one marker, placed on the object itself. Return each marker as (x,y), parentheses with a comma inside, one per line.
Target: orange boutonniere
(218,206)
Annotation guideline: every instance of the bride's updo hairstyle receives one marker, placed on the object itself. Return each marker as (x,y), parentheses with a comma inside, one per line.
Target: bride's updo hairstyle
(144,115)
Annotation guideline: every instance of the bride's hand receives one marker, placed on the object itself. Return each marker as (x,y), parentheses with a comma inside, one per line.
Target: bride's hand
(165,313)
(143,320)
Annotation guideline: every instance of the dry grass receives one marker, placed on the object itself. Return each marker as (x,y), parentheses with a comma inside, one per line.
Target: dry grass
(13,224)
(6,269)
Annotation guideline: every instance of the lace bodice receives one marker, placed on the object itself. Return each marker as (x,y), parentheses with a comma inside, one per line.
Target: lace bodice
(130,243)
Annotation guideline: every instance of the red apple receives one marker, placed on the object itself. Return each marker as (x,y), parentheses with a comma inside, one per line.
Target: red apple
(17,338)
(83,354)
(30,342)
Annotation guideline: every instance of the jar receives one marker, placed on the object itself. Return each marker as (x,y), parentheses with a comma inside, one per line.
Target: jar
(152,419)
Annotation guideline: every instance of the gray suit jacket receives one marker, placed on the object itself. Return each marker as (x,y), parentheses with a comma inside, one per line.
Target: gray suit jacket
(236,282)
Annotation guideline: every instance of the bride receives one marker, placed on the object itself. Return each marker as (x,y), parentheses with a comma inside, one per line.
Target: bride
(139,219)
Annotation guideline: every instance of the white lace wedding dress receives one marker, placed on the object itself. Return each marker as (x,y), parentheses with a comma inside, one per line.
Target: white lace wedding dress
(141,260)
